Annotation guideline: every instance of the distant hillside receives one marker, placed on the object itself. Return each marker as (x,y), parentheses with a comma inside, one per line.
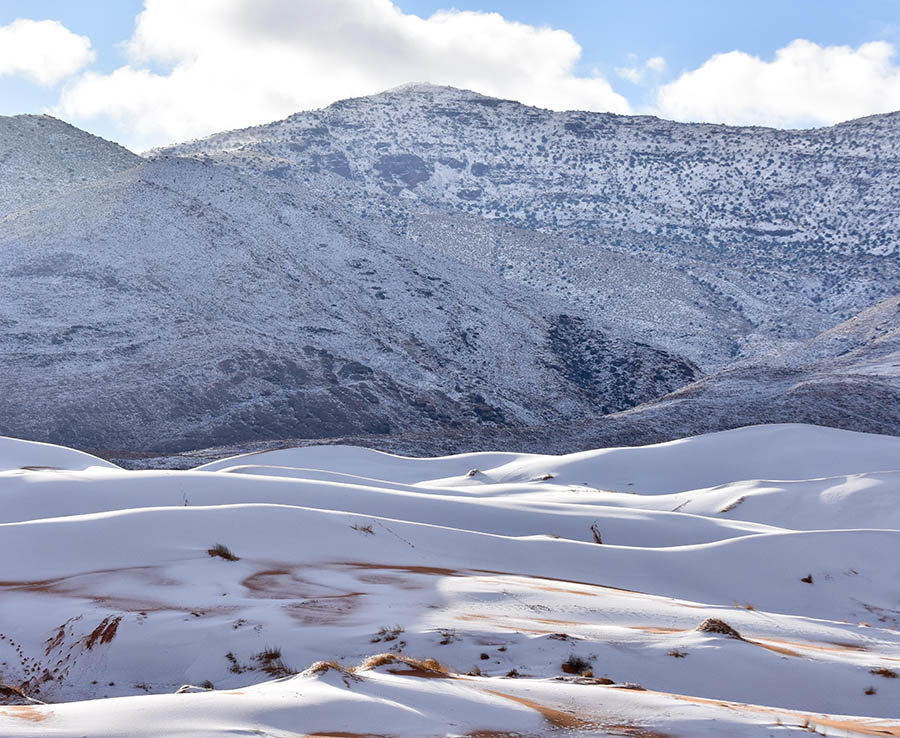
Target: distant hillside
(181,304)
(757,237)
(41,157)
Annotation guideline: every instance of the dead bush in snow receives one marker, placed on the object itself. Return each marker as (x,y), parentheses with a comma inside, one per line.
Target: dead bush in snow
(269,661)
(883,671)
(387,633)
(223,552)
(576,665)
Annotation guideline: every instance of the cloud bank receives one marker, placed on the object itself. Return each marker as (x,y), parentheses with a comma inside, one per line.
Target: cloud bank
(804,85)
(46,52)
(202,66)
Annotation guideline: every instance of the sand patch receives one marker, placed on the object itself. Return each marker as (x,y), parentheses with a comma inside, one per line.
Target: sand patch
(26,712)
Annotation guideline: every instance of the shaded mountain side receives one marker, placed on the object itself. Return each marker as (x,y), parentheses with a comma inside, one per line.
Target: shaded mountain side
(182,303)
(867,405)
(848,377)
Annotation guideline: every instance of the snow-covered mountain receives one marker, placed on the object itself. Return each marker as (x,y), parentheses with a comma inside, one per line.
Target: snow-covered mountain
(41,156)
(736,584)
(756,237)
(180,304)
(439,270)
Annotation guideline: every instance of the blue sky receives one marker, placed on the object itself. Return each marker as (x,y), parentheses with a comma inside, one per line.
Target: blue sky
(158,83)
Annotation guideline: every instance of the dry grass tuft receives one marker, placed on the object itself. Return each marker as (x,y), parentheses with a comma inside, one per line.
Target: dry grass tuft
(269,660)
(417,667)
(323,667)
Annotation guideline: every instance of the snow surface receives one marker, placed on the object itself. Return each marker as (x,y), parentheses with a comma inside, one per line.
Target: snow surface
(485,562)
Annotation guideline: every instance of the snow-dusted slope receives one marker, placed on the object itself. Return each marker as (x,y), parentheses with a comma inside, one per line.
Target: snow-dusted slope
(753,237)
(848,376)
(181,304)
(479,576)
(41,157)
(429,269)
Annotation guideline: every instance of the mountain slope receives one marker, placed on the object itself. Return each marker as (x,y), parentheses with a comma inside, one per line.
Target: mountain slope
(847,377)
(760,237)
(41,156)
(183,303)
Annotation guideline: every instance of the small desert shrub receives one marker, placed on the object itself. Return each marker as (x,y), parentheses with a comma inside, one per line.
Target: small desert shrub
(387,633)
(223,552)
(678,654)
(883,671)
(268,654)
(448,635)
(233,666)
(808,579)
(714,625)
(733,504)
(575,665)
(367,529)
(269,661)
(8,690)
(870,690)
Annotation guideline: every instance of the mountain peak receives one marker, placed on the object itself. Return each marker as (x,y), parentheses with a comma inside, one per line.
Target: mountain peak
(433,91)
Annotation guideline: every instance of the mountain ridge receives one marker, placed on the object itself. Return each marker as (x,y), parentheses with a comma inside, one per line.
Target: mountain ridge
(389,232)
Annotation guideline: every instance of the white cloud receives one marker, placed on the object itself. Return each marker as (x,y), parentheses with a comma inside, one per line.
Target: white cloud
(231,63)
(638,74)
(44,51)
(806,84)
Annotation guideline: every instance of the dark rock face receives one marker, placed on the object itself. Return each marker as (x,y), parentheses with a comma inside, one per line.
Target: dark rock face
(609,370)
(408,169)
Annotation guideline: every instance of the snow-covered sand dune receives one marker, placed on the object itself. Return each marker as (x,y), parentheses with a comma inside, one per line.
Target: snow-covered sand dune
(480,575)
